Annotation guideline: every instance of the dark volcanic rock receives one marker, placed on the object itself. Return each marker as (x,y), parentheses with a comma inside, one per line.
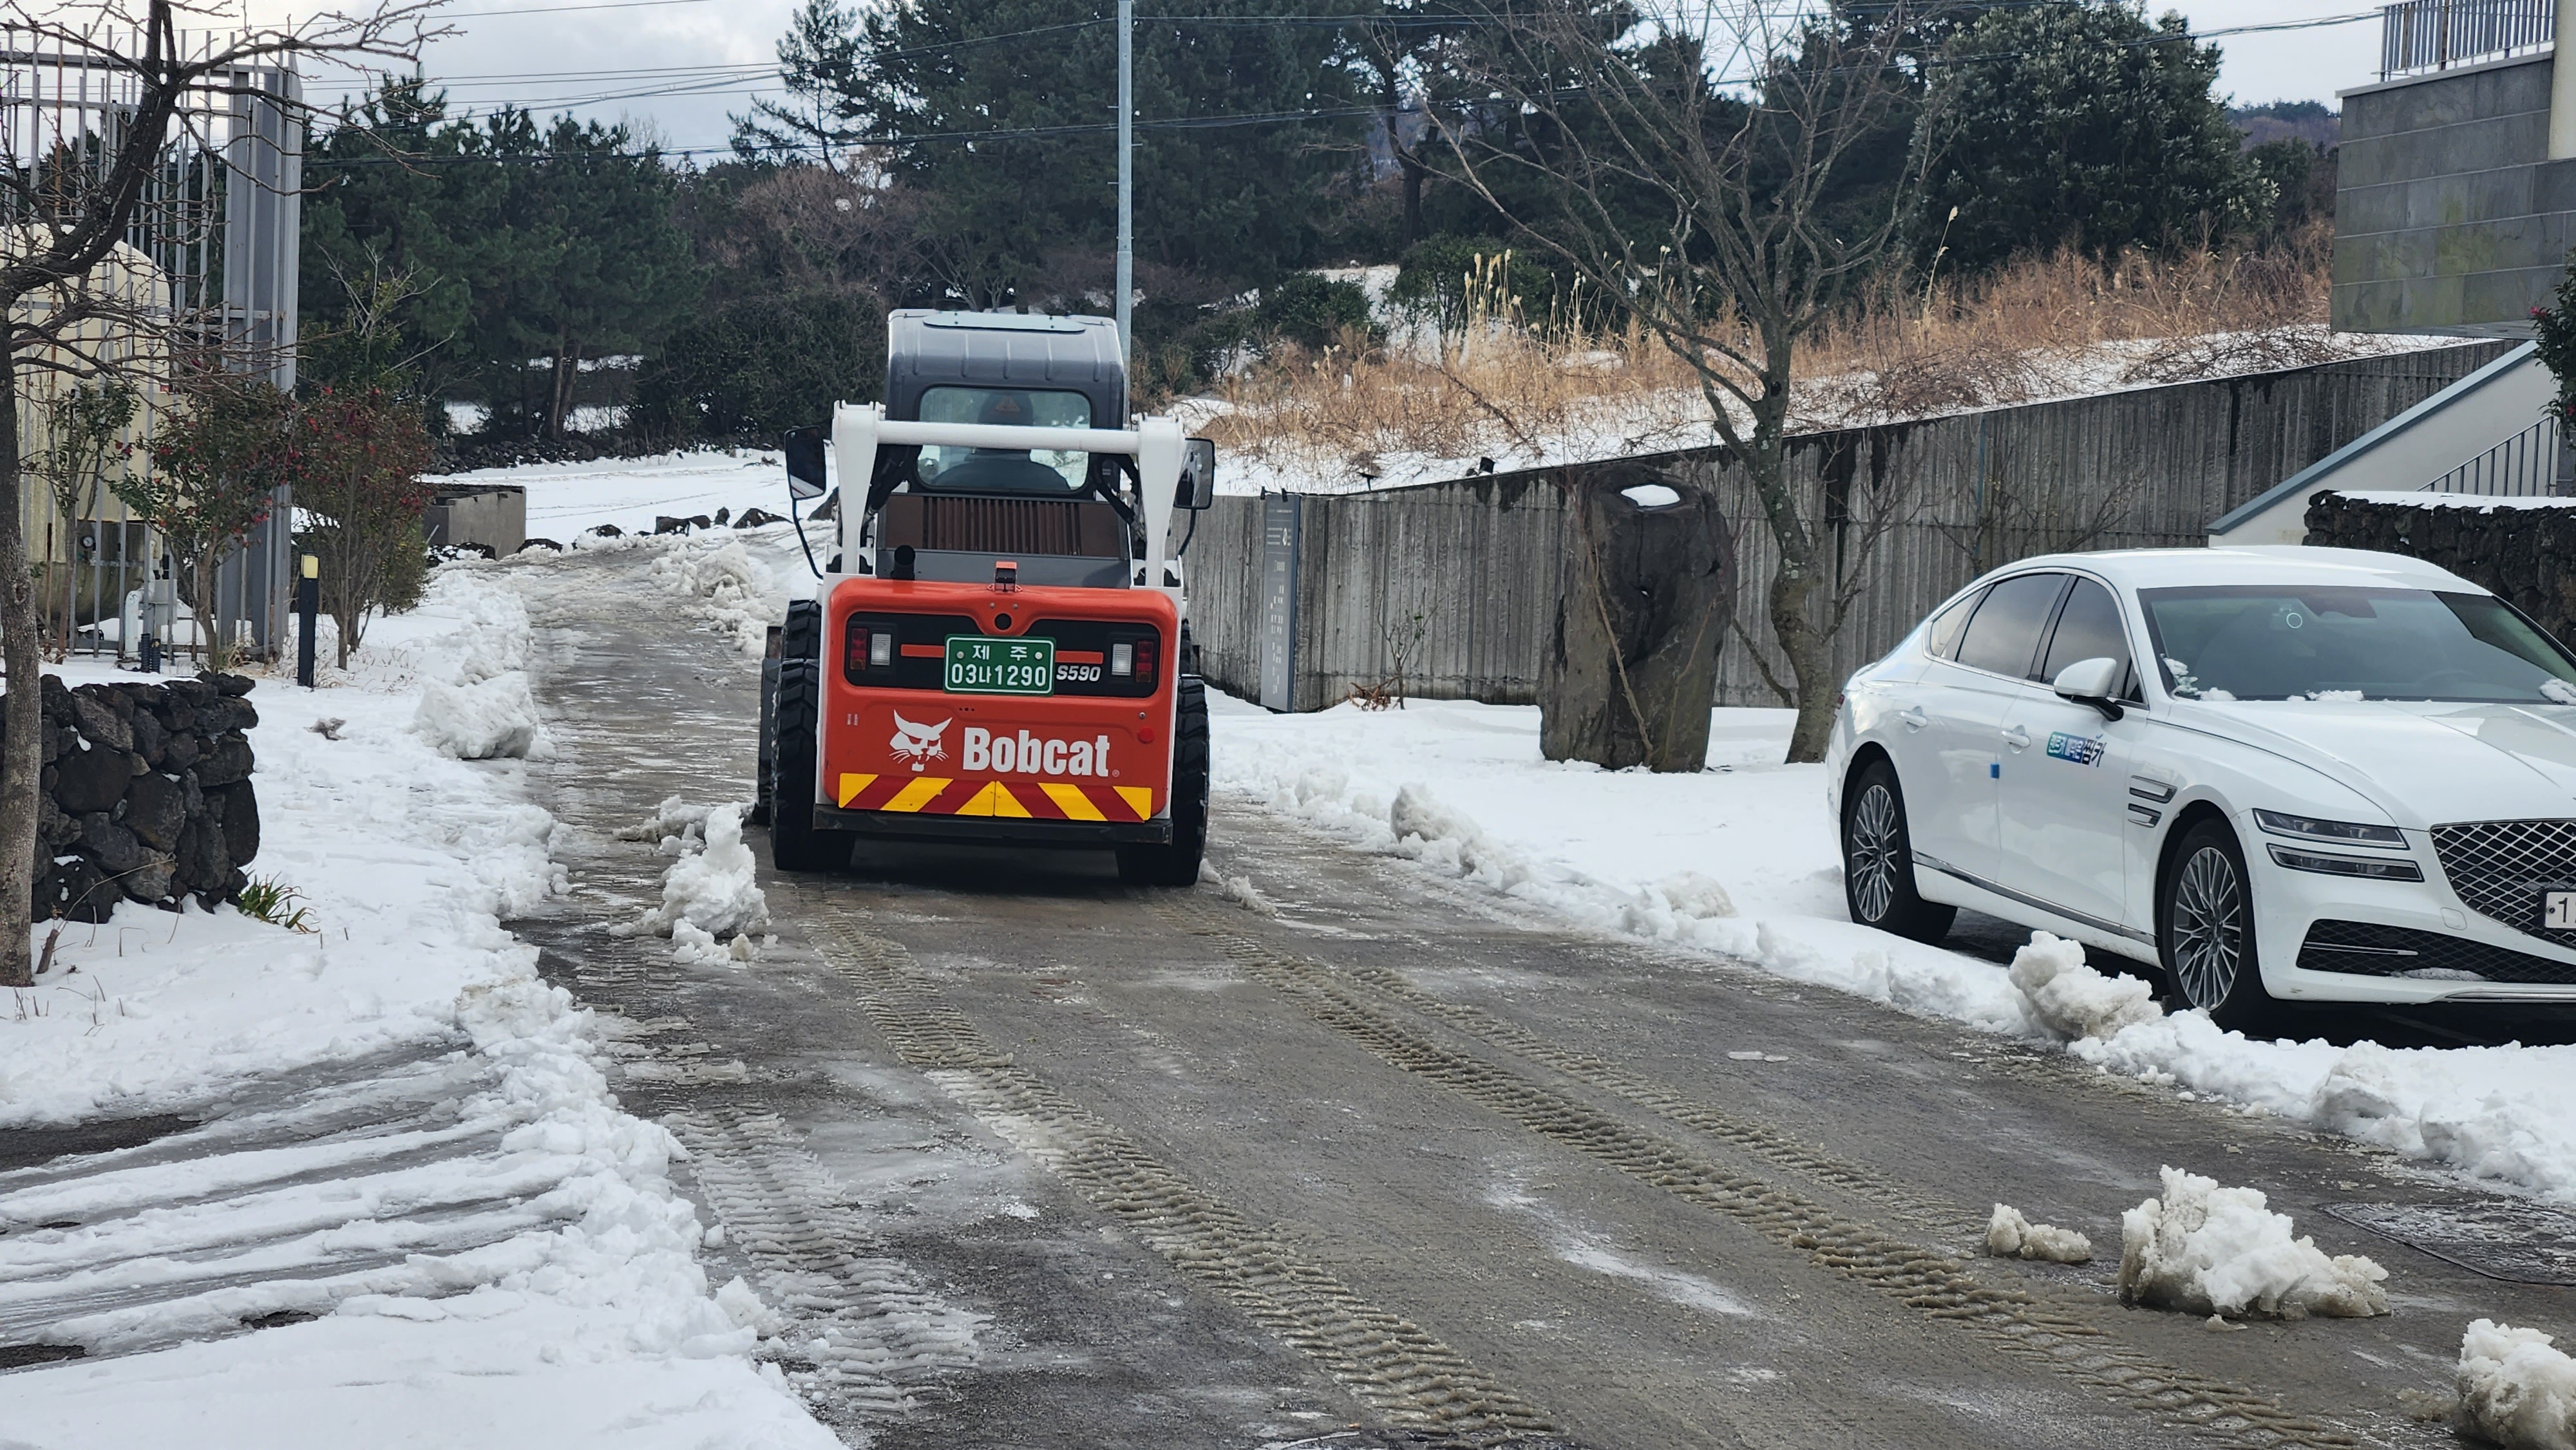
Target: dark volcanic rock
(73,889)
(97,778)
(237,807)
(229,761)
(156,807)
(112,846)
(98,719)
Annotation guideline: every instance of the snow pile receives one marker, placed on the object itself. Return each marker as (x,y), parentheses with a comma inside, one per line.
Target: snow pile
(488,720)
(737,592)
(468,628)
(2010,1236)
(675,827)
(1758,878)
(2516,1389)
(509,1264)
(2206,1249)
(2073,1000)
(1741,860)
(709,893)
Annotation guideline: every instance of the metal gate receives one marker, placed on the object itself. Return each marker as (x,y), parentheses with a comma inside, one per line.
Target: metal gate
(210,256)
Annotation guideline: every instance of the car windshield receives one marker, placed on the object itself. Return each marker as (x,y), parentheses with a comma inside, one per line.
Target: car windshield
(2259,642)
(1004,470)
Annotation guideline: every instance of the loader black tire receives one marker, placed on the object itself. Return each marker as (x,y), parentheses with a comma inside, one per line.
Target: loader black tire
(1177,864)
(802,636)
(794,843)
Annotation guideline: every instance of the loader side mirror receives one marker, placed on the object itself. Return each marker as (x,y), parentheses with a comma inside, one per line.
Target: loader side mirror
(1198,474)
(804,450)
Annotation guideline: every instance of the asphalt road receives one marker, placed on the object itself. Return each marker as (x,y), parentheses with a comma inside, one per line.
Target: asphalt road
(1028,1158)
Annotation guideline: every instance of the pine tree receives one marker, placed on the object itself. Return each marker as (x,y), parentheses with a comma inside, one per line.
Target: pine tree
(2082,124)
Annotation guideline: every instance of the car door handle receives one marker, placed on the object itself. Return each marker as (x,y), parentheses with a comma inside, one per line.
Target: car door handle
(1914,717)
(2017,738)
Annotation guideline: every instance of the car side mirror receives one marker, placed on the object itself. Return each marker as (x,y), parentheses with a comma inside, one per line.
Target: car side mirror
(2091,682)
(1198,475)
(804,450)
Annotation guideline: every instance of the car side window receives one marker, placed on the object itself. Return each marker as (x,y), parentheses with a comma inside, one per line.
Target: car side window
(2088,628)
(2003,635)
(1941,641)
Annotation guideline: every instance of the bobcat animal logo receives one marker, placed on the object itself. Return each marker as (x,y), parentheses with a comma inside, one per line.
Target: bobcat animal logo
(919,743)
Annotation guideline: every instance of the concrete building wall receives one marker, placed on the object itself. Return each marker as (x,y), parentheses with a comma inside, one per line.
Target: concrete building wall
(2449,218)
(1478,559)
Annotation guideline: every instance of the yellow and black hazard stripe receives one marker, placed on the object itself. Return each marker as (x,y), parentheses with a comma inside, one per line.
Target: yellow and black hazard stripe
(938,795)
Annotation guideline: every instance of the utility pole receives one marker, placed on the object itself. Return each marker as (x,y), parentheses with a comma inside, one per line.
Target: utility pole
(1127,177)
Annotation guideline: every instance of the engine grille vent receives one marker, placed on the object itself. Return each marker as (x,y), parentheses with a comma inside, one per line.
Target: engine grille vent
(1002,526)
(2499,868)
(2366,949)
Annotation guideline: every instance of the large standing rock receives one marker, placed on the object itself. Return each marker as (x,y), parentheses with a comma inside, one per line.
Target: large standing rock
(1647,589)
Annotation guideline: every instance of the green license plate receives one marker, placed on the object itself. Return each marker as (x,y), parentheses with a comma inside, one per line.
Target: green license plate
(978,665)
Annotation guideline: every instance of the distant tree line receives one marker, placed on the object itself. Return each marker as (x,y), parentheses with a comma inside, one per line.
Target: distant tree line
(961,153)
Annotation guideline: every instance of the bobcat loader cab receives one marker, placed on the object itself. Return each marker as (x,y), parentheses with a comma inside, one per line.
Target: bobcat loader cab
(997,653)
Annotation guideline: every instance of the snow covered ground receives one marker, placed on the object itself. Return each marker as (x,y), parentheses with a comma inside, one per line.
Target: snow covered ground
(408,1175)
(1741,860)
(567,499)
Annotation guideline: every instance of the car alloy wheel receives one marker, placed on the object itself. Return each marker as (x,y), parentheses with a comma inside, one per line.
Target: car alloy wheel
(1871,853)
(2208,927)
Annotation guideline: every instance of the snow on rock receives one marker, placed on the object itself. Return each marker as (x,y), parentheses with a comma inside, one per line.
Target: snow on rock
(711,892)
(2516,1388)
(2010,1236)
(2072,999)
(488,720)
(2205,1249)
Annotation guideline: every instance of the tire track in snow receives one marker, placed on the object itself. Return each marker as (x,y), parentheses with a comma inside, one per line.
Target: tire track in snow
(1388,1363)
(873,1337)
(2058,1335)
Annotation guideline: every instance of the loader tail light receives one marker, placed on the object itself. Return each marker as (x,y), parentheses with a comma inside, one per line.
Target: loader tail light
(870,647)
(1146,656)
(1122,658)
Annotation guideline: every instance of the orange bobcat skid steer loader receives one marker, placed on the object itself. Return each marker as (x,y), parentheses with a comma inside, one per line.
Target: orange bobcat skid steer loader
(999,654)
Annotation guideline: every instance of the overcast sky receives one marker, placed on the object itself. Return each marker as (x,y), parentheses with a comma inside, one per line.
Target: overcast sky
(680,66)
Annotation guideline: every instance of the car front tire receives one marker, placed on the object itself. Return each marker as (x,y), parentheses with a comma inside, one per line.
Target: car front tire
(2205,931)
(1878,861)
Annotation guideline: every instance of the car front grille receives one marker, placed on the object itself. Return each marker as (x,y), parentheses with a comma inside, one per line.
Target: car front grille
(2363,949)
(2499,868)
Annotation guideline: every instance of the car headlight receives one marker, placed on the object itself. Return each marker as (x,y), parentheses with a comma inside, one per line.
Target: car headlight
(2381,869)
(2334,833)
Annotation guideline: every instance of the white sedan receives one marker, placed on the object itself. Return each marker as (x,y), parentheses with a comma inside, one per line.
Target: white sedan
(2278,774)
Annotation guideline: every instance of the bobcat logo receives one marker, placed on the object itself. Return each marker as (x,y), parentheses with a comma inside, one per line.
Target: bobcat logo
(918,743)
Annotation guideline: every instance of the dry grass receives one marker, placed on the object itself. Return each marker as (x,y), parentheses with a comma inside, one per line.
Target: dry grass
(1500,388)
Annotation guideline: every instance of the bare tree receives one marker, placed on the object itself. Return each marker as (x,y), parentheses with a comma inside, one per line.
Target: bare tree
(1696,162)
(75,299)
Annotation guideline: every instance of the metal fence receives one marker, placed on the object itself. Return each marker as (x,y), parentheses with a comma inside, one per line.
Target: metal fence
(2530,464)
(208,268)
(2419,37)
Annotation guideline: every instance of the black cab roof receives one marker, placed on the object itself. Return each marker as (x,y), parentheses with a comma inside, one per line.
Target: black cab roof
(926,349)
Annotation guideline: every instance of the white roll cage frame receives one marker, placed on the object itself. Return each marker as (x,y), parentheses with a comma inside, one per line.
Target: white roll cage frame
(1157,444)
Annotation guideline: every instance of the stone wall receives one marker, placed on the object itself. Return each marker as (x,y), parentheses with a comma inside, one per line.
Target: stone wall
(2527,555)
(147,795)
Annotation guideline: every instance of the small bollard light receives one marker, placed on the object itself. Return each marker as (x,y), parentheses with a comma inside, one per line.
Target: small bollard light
(308,603)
